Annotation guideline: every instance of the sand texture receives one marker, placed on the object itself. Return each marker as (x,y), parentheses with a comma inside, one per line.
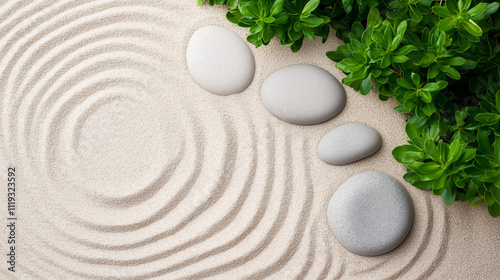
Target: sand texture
(127,169)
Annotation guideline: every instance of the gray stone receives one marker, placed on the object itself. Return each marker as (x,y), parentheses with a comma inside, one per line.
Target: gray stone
(219,60)
(303,94)
(348,143)
(371,213)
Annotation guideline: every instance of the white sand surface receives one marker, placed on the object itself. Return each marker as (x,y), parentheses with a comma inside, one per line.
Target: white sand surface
(127,169)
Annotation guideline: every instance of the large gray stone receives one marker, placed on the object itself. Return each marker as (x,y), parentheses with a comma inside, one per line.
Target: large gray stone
(219,60)
(303,94)
(371,213)
(348,143)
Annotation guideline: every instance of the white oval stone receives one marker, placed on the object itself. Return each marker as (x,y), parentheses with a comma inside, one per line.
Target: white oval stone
(370,214)
(219,60)
(348,143)
(303,94)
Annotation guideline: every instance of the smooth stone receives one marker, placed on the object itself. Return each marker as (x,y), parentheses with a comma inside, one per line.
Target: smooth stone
(348,143)
(371,213)
(303,94)
(219,60)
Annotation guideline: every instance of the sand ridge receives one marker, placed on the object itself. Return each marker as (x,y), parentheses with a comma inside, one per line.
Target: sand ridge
(127,169)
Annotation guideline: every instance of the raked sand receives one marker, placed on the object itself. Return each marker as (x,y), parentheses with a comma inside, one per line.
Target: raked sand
(127,169)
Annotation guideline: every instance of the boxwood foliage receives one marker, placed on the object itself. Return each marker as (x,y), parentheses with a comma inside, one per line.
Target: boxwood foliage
(439,59)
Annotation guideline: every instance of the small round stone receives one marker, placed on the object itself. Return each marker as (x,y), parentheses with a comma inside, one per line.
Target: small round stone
(349,143)
(303,94)
(371,213)
(219,60)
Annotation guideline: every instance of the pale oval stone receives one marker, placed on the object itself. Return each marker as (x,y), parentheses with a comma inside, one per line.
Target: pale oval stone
(371,213)
(219,60)
(349,143)
(303,94)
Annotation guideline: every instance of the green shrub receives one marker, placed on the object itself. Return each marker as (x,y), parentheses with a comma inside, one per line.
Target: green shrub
(439,59)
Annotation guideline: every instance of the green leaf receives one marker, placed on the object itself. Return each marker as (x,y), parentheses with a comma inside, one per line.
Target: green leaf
(431,87)
(495,192)
(308,33)
(466,5)
(267,34)
(255,39)
(415,14)
(442,84)
(470,191)
(416,79)
(373,18)
(401,28)
(423,185)
(413,134)
(431,150)
(450,193)
(488,198)
(426,97)
(312,21)
(467,155)
(441,11)
(477,10)
(232,4)
(443,150)
(234,16)
(430,175)
(433,71)
(395,42)
(483,142)
(472,28)
(310,6)
(366,37)
(452,73)
(366,85)
(411,156)
(439,183)
(406,153)
(494,209)
(411,177)
(476,201)
(487,118)
(404,83)
(434,130)
(248,10)
(490,8)
(386,61)
(447,23)
(295,47)
(404,50)
(427,60)
(388,36)
(268,19)
(455,61)
(378,37)
(454,152)
(400,59)
(297,26)
(398,4)
(429,167)
(280,18)
(256,28)
(277,7)
(402,109)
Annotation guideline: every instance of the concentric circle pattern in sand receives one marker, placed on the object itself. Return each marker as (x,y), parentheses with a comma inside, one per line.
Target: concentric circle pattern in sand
(129,170)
